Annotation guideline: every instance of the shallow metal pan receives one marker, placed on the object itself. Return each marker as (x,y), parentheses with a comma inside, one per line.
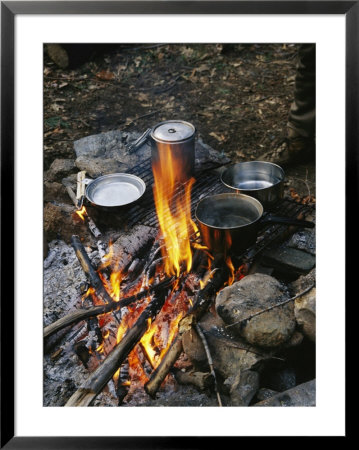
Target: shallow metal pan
(259,179)
(114,190)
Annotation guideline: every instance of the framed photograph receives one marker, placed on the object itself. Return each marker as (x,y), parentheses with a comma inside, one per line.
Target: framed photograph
(167,183)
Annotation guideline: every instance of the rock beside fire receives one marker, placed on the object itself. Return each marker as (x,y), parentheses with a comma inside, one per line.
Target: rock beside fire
(59,169)
(231,355)
(302,395)
(243,387)
(106,153)
(304,310)
(254,293)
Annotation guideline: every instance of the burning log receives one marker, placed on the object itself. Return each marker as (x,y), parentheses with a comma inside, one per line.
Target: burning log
(87,393)
(203,300)
(88,313)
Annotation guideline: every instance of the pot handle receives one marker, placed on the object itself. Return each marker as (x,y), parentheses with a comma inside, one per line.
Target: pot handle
(139,142)
(287,221)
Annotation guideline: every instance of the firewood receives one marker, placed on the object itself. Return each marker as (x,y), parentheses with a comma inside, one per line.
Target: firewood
(203,300)
(91,224)
(87,393)
(201,380)
(210,361)
(91,273)
(87,313)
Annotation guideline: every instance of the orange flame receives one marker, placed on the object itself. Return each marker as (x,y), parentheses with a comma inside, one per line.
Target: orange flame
(82,213)
(231,270)
(173,212)
(113,285)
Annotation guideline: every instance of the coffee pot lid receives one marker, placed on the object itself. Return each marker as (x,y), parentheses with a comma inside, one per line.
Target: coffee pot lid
(173,131)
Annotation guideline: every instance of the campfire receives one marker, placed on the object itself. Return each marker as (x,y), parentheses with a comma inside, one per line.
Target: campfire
(141,306)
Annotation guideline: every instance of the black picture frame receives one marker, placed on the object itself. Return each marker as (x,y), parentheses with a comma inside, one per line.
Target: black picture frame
(9,9)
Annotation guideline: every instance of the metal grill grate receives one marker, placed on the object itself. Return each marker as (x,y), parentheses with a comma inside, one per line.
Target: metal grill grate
(208,183)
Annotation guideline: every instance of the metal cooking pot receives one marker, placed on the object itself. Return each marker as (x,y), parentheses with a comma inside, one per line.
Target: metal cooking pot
(232,221)
(259,179)
(176,135)
(114,190)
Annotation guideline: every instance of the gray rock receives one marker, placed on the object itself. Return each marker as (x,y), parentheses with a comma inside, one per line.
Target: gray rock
(59,169)
(264,394)
(95,167)
(304,310)
(301,395)
(287,259)
(206,156)
(230,354)
(304,282)
(253,294)
(304,240)
(243,387)
(105,153)
(295,340)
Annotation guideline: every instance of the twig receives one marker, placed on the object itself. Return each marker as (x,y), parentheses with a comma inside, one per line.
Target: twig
(246,319)
(264,98)
(141,117)
(87,313)
(210,361)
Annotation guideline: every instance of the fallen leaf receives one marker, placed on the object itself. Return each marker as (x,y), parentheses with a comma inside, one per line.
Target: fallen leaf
(63,84)
(142,97)
(220,138)
(105,75)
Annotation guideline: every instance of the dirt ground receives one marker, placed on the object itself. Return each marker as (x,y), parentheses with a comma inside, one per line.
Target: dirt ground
(237,96)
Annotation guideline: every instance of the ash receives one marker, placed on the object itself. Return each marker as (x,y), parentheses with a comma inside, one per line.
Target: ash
(64,284)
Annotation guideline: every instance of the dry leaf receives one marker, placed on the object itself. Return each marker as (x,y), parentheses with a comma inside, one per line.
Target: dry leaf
(105,75)
(220,138)
(142,97)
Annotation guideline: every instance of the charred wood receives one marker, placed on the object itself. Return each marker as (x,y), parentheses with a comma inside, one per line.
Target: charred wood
(201,380)
(83,314)
(91,273)
(87,393)
(200,306)
(130,247)
(123,382)
(82,352)
(158,376)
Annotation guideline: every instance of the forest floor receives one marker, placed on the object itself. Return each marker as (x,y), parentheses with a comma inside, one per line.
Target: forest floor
(237,96)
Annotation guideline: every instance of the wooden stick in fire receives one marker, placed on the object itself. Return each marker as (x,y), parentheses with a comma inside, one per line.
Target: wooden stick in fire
(91,224)
(87,393)
(203,300)
(82,314)
(91,273)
